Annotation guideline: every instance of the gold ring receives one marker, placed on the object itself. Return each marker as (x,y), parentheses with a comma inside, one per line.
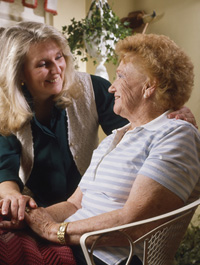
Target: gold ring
(27,209)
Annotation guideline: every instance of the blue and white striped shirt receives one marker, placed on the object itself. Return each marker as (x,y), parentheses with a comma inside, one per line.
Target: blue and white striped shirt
(165,150)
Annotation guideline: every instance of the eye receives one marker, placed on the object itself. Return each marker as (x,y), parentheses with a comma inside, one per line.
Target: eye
(59,56)
(42,64)
(119,75)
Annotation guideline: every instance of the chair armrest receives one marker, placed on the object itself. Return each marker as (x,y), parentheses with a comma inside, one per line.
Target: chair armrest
(85,236)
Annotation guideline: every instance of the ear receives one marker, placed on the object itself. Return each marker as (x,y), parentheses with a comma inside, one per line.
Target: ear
(149,89)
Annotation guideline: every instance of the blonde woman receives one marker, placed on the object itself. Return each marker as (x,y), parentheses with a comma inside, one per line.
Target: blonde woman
(49,118)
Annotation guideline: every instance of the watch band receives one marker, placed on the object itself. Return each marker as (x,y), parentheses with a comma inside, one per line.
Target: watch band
(61,233)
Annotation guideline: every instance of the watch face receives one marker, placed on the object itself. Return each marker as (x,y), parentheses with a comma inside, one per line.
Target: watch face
(62,228)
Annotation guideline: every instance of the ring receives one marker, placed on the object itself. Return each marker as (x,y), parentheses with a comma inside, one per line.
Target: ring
(27,209)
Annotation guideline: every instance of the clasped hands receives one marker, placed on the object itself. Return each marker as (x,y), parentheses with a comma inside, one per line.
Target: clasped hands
(37,218)
(12,207)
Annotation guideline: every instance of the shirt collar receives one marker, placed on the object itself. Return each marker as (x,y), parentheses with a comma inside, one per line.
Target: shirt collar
(157,122)
(151,126)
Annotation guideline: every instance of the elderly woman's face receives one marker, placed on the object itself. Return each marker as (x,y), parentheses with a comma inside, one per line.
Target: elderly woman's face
(44,70)
(128,89)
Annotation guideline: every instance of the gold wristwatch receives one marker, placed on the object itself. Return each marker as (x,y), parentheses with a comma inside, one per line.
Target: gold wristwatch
(61,233)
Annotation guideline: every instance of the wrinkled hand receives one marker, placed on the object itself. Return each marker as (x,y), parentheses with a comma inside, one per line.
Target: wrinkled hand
(13,207)
(41,222)
(184,114)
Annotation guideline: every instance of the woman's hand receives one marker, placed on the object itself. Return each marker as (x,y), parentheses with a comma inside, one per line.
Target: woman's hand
(183,114)
(13,206)
(6,223)
(41,222)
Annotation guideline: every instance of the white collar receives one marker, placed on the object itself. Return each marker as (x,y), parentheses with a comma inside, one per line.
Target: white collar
(157,122)
(151,126)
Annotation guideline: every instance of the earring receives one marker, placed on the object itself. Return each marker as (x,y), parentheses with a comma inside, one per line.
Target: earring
(22,83)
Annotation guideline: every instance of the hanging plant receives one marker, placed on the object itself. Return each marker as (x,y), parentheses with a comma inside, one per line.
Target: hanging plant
(100,26)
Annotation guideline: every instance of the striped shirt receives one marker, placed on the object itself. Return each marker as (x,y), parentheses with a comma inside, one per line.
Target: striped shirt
(165,150)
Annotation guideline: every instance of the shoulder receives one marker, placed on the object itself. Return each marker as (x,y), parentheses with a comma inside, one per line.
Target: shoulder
(177,135)
(163,126)
(181,127)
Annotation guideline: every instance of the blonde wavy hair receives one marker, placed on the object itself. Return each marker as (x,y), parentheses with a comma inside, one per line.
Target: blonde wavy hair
(164,61)
(15,42)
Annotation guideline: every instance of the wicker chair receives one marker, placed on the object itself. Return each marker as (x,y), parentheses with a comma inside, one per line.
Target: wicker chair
(160,244)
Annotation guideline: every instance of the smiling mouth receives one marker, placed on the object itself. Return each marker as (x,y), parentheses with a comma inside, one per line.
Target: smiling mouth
(117,97)
(53,80)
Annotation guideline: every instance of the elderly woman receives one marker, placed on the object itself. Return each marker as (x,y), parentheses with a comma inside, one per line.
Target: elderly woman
(149,167)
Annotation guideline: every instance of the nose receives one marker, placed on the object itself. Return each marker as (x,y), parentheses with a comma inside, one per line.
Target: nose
(112,89)
(55,68)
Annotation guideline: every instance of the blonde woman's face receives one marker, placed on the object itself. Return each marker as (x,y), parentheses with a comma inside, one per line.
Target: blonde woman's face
(44,70)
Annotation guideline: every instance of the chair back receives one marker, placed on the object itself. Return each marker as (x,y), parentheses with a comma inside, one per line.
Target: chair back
(161,243)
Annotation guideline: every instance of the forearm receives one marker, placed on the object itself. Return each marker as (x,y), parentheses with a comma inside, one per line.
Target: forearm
(107,220)
(46,226)
(45,222)
(60,211)
(76,229)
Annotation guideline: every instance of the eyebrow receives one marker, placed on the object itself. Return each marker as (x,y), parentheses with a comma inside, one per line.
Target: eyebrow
(46,58)
(121,72)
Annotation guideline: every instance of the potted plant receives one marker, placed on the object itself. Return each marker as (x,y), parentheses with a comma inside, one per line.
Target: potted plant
(96,35)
